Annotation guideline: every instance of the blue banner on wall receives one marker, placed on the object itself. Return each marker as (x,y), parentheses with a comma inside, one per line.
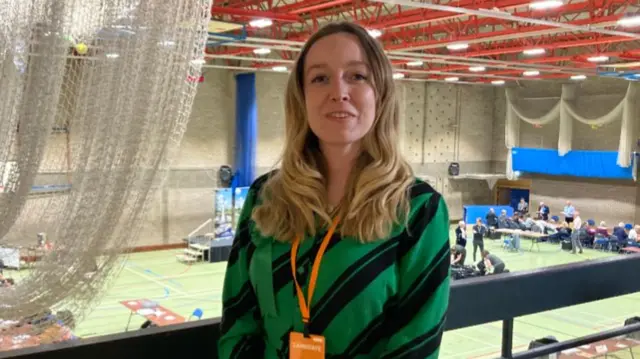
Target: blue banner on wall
(246,129)
(593,164)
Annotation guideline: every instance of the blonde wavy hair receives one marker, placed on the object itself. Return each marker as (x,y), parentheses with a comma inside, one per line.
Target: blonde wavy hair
(293,201)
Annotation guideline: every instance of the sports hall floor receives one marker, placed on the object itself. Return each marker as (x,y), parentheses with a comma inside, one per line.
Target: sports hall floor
(182,288)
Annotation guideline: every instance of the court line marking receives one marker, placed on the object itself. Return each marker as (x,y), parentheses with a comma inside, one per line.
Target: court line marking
(163,285)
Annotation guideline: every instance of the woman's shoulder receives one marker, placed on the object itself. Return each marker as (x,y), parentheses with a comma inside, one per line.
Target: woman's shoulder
(422,193)
(426,204)
(259,182)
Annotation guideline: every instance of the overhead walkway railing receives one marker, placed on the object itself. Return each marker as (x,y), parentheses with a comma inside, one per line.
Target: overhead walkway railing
(495,298)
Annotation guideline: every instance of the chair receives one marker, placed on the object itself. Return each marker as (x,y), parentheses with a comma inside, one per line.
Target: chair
(197,313)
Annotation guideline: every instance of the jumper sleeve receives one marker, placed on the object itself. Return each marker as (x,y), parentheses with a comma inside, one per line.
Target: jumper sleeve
(418,315)
(240,332)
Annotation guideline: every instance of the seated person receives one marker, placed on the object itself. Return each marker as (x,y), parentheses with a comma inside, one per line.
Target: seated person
(545,227)
(528,223)
(563,233)
(458,255)
(620,232)
(492,219)
(461,234)
(517,223)
(503,219)
(492,262)
(633,239)
(523,206)
(591,232)
(602,229)
(601,236)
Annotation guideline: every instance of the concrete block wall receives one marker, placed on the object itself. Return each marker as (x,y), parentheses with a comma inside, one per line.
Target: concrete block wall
(441,123)
(446,123)
(187,199)
(611,201)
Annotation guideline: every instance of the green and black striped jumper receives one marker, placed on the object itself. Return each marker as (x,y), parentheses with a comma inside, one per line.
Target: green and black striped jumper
(386,299)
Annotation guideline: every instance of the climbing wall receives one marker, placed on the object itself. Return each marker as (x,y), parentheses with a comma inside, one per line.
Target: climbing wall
(413,109)
(459,128)
(441,124)
(475,124)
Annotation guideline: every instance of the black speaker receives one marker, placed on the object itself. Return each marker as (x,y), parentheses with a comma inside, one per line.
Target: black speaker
(454,169)
(225,174)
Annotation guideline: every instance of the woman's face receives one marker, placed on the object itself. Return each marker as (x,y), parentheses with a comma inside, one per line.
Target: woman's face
(339,95)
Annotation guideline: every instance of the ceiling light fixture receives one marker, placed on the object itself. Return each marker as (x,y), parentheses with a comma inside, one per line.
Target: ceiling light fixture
(452,79)
(375,33)
(532,52)
(578,77)
(262,51)
(261,23)
(398,75)
(415,63)
(458,46)
(630,21)
(545,4)
(531,73)
(477,68)
(497,82)
(598,58)
(280,68)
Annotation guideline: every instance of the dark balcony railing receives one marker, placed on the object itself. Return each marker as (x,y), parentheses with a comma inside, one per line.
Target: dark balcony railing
(495,298)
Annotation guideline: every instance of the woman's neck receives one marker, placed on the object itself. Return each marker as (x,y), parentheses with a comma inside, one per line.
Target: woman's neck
(340,159)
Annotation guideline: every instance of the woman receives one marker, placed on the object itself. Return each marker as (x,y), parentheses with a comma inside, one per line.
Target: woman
(374,240)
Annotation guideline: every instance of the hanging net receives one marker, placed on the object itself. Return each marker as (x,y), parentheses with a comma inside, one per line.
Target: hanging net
(94,99)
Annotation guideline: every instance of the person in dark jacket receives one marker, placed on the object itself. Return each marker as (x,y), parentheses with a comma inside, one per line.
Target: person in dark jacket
(543,211)
(620,233)
(479,230)
(461,234)
(492,220)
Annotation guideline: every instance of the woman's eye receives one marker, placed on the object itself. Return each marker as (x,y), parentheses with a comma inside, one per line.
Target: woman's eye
(319,78)
(359,77)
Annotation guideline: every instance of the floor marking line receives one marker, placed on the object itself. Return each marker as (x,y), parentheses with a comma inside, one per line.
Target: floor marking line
(156,281)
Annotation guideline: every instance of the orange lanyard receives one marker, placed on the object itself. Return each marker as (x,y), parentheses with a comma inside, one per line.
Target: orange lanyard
(306,305)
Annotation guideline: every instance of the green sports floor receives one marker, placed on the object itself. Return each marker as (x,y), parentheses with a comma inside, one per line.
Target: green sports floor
(183,288)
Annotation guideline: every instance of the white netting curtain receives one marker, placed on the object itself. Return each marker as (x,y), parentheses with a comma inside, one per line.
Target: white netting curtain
(111,78)
(565,110)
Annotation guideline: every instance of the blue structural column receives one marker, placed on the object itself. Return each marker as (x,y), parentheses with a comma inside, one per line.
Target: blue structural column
(246,129)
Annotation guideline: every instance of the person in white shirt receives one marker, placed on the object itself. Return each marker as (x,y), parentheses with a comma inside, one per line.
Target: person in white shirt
(577,221)
(633,233)
(523,206)
(569,212)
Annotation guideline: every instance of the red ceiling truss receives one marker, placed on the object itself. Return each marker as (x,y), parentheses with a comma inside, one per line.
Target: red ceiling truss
(410,33)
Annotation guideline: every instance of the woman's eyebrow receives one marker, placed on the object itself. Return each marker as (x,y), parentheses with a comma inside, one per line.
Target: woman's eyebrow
(349,64)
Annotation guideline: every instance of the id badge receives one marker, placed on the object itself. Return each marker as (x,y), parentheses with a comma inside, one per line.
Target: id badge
(306,348)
